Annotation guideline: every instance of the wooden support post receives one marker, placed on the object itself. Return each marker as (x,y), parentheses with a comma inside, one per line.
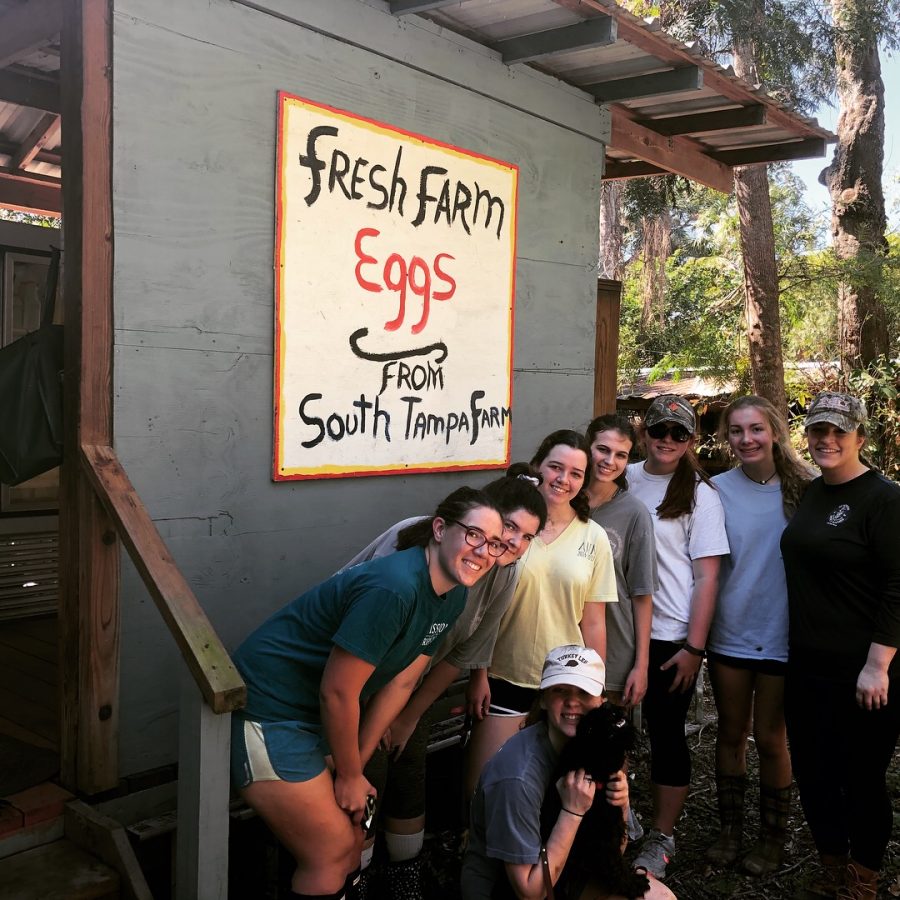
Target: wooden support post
(606,354)
(204,750)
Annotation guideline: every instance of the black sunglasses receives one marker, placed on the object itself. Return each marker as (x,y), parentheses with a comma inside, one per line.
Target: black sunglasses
(679,433)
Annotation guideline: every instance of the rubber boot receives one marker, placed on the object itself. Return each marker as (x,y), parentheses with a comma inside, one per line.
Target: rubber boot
(730,793)
(860,884)
(827,882)
(774,812)
(403,880)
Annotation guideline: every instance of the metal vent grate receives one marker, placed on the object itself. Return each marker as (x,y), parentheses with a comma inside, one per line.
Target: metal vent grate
(29,574)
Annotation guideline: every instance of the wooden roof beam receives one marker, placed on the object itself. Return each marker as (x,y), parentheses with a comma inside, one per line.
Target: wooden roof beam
(704,123)
(8,148)
(598,32)
(30,192)
(25,90)
(616,170)
(767,153)
(27,27)
(408,7)
(679,155)
(34,143)
(674,81)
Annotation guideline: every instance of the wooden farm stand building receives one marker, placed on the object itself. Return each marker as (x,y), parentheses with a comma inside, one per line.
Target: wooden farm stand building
(150,125)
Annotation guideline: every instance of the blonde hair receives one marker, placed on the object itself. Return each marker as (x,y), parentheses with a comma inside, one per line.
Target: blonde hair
(794,474)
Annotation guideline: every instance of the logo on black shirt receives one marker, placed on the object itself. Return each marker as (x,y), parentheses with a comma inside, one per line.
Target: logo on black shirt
(839,515)
(434,632)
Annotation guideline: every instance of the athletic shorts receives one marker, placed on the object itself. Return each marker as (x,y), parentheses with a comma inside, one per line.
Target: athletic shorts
(510,699)
(275,751)
(759,666)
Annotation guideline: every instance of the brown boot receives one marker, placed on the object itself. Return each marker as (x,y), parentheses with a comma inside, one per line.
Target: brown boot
(827,882)
(861,883)
(774,812)
(730,793)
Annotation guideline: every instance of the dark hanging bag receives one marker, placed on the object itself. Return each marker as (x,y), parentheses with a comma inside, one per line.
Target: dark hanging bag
(31,403)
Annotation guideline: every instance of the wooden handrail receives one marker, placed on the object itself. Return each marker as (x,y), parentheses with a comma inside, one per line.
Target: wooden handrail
(219,682)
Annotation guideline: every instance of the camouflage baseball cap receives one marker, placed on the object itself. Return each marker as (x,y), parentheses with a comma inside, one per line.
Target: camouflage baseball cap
(671,408)
(841,410)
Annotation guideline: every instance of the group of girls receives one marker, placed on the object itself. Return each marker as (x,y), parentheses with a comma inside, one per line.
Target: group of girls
(624,561)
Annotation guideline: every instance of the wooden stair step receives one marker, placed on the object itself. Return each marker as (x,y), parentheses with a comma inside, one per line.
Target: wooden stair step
(58,871)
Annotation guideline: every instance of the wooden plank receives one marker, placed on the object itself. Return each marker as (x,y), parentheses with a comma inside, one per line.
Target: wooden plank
(21,733)
(706,123)
(106,839)
(41,721)
(204,744)
(676,154)
(675,81)
(609,294)
(28,27)
(746,156)
(25,643)
(615,170)
(206,657)
(30,666)
(89,601)
(34,141)
(8,148)
(34,690)
(408,7)
(599,32)
(35,92)
(43,628)
(58,871)
(41,199)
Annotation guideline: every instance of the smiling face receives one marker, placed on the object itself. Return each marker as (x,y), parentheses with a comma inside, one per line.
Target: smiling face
(750,438)
(609,455)
(453,561)
(565,705)
(835,452)
(519,530)
(664,453)
(563,470)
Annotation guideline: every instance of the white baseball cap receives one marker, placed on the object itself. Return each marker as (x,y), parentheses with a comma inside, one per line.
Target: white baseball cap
(572,664)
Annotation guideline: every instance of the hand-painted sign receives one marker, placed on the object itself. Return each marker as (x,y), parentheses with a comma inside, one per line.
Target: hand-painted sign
(395,278)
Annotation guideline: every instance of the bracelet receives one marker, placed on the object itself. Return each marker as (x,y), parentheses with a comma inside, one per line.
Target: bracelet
(694,651)
(569,811)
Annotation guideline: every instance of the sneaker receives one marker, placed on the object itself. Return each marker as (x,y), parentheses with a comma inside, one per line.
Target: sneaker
(656,853)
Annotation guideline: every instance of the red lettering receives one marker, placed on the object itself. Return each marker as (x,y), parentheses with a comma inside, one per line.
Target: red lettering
(365,259)
(398,285)
(444,295)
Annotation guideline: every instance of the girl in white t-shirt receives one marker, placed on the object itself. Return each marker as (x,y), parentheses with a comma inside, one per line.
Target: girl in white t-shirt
(689,526)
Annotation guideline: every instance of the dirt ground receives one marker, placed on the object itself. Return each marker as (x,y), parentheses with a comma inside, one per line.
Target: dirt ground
(690,877)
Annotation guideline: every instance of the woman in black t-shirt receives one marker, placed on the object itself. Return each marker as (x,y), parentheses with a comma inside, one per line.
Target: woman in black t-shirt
(842,558)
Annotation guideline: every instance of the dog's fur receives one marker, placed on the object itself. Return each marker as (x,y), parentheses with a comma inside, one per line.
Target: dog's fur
(601,742)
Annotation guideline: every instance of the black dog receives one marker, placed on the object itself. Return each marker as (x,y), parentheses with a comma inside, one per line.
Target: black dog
(601,741)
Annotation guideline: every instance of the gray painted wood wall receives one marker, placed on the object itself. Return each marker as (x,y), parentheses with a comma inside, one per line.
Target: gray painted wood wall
(195,85)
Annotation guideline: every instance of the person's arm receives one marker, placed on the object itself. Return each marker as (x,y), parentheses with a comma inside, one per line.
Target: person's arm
(593,627)
(478,694)
(441,676)
(636,682)
(576,792)
(703,607)
(872,683)
(339,692)
(384,706)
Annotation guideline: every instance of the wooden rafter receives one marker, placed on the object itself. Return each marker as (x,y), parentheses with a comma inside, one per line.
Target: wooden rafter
(673,81)
(598,32)
(408,7)
(9,148)
(28,90)
(615,170)
(34,143)
(704,123)
(27,27)
(680,155)
(30,192)
(748,156)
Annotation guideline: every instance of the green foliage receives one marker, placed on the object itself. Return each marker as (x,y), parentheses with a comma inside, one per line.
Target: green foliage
(26,218)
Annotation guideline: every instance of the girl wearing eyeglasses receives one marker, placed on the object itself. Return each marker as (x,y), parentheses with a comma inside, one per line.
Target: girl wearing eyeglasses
(689,526)
(567,580)
(365,634)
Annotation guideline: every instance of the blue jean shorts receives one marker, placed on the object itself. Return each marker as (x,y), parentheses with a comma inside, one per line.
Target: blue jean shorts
(275,751)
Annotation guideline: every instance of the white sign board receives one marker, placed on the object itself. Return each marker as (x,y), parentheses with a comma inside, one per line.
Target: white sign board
(395,279)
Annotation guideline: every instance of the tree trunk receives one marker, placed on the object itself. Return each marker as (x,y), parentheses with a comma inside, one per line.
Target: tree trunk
(611,262)
(751,186)
(858,219)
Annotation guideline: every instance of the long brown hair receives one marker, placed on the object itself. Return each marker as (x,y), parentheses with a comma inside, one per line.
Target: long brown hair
(568,438)
(794,474)
(454,506)
(612,422)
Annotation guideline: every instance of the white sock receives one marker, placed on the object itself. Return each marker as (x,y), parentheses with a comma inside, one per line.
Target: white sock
(402,847)
(365,858)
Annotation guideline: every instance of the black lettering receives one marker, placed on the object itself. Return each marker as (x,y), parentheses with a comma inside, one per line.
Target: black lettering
(336,175)
(378,412)
(423,195)
(475,410)
(386,375)
(395,181)
(410,406)
(491,200)
(312,420)
(312,162)
(377,186)
(461,202)
(357,179)
(335,427)
(362,405)
(443,204)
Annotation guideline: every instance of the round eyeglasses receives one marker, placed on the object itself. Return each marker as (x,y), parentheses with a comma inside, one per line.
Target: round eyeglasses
(476,538)
(679,433)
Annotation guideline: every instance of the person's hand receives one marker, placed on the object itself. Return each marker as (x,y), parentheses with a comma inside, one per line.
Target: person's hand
(401,730)
(872,687)
(576,791)
(687,666)
(635,687)
(478,694)
(350,792)
(617,790)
